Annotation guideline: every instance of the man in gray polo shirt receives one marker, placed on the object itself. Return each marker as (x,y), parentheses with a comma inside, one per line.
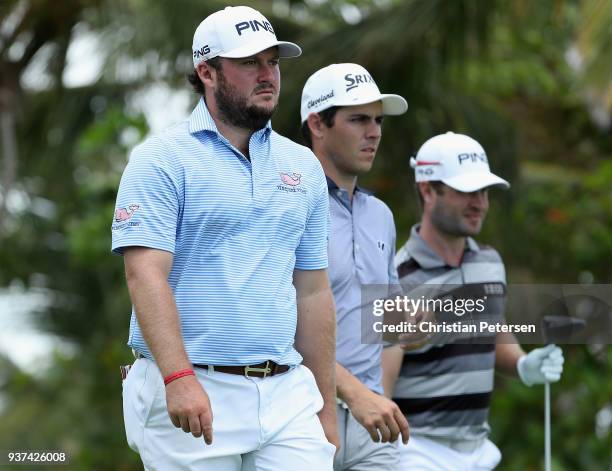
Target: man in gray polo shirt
(342,112)
(444,387)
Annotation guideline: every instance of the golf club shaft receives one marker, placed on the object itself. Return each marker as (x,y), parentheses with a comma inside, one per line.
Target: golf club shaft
(547,437)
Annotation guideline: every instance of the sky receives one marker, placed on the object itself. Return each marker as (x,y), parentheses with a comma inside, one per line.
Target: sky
(20,339)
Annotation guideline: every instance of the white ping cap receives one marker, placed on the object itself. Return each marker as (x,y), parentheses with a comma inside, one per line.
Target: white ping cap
(236,32)
(456,160)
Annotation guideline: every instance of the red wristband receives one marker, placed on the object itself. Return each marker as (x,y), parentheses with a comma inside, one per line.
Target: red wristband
(178,374)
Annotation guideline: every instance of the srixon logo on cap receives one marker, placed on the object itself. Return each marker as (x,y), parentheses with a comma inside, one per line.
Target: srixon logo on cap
(255,25)
(472,157)
(352,81)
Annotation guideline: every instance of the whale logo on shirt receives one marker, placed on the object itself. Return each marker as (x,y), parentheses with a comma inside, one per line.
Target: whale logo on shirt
(125,214)
(292,179)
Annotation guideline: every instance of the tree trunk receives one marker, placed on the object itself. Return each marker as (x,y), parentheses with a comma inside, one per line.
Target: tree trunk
(9,153)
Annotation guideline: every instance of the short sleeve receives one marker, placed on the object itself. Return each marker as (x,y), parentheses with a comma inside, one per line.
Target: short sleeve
(311,254)
(148,204)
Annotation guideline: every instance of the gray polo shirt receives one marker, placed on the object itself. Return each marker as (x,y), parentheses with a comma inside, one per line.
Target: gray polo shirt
(361,251)
(445,389)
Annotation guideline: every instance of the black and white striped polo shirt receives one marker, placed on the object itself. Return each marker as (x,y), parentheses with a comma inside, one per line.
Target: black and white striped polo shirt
(444,388)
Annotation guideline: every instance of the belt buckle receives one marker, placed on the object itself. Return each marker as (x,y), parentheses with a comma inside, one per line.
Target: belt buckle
(266,370)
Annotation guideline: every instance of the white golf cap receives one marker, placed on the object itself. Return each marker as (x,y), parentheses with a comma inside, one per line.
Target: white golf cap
(237,32)
(345,85)
(456,160)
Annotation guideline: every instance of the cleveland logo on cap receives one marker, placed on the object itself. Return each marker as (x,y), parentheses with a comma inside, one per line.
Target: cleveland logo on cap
(353,81)
(255,25)
(321,99)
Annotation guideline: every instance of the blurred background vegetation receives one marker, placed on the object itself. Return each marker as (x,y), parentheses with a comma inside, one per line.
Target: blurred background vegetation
(82,81)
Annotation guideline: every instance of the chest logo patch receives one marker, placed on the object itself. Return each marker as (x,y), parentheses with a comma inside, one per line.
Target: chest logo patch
(290,182)
(292,179)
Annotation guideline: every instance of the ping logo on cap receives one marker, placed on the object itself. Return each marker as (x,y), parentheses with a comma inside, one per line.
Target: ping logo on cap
(255,25)
(353,80)
(201,52)
(472,157)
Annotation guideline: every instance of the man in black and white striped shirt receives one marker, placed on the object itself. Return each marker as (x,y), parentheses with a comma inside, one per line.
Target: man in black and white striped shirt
(444,385)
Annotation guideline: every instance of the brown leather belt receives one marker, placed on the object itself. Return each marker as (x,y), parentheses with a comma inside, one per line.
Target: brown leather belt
(260,370)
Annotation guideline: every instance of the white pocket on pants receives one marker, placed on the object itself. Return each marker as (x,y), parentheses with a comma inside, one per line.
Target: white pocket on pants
(139,391)
(490,456)
(312,382)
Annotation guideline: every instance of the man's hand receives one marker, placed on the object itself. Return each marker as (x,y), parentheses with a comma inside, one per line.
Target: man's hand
(542,365)
(147,273)
(328,419)
(418,339)
(189,407)
(381,417)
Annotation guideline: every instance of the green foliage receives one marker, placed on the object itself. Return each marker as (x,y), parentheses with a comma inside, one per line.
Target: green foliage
(518,417)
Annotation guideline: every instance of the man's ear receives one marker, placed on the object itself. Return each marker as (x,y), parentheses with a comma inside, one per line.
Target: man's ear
(315,124)
(207,74)
(427,192)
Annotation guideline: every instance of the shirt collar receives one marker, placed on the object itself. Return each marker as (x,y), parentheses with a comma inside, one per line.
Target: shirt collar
(424,255)
(202,120)
(331,186)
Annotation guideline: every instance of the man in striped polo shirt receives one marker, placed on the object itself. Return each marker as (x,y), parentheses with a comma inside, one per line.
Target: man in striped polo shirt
(444,387)
(223,227)
(342,112)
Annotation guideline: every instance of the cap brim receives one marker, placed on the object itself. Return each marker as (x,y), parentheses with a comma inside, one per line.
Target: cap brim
(285,49)
(469,182)
(392,104)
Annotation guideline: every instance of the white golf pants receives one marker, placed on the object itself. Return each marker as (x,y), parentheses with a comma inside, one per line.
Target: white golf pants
(259,424)
(423,454)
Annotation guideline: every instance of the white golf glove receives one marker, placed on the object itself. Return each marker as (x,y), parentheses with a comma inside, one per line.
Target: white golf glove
(542,365)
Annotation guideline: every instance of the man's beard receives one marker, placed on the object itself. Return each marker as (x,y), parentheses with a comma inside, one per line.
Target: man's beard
(451,224)
(234,109)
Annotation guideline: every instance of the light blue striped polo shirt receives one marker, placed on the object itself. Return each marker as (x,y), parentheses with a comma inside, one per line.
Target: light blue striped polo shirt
(237,229)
